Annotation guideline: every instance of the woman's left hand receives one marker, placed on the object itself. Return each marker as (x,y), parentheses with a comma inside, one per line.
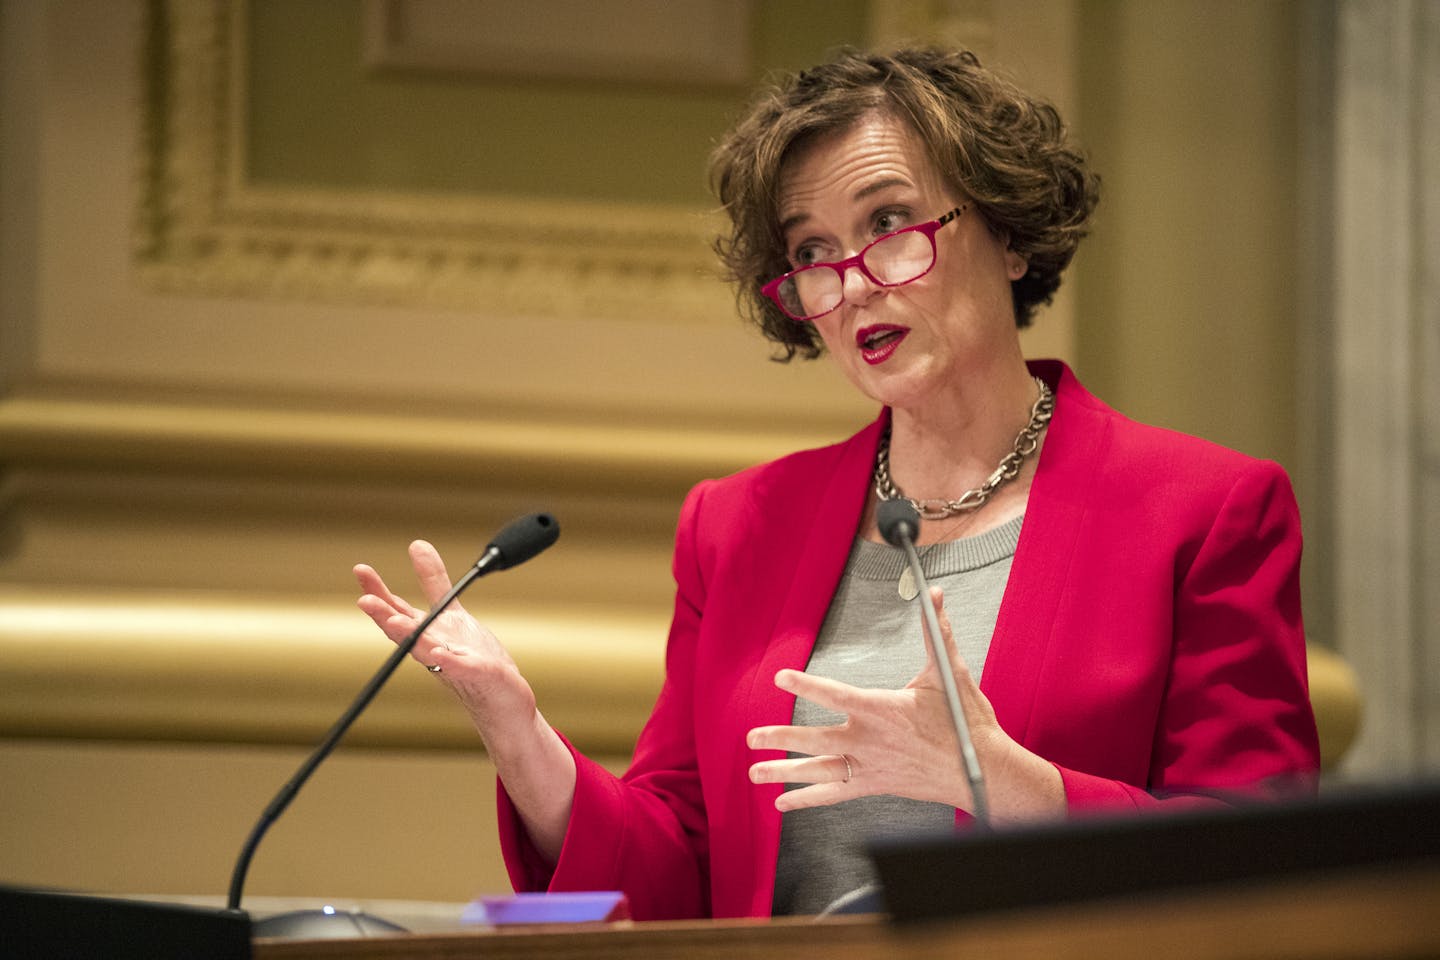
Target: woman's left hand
(903,743)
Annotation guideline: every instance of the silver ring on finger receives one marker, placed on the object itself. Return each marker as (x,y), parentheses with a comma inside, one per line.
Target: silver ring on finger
(434,668)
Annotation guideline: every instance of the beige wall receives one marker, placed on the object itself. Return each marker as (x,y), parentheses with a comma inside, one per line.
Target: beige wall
(199,438)
(1189,279)
(167,818)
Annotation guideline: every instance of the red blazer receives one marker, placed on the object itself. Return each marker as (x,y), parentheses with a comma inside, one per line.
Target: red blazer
(1149,644)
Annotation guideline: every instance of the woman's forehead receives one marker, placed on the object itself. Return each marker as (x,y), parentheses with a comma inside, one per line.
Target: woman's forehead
(874,152)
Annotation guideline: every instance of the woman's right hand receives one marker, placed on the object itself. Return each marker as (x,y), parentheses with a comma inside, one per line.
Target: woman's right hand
(472,661)
(534,764)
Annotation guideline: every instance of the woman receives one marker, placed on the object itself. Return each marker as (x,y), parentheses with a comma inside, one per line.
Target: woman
(1125,599)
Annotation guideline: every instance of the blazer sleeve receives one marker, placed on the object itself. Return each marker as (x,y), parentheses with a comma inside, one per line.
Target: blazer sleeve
(644,833)
(1235,720)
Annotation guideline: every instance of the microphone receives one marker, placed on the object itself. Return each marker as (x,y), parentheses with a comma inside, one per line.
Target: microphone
(899,524)
(517,542)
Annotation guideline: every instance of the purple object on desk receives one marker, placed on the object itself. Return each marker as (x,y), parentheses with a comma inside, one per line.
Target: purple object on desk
(595,907)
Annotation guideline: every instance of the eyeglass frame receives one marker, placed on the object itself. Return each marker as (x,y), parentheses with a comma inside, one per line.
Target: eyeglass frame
(929,229)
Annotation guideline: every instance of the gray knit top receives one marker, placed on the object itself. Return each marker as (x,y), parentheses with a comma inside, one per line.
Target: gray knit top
(872,638)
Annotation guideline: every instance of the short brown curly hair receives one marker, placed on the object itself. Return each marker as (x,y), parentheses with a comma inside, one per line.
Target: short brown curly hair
(997,145)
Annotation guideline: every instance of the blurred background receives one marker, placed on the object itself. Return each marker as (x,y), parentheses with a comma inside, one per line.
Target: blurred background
(285,284)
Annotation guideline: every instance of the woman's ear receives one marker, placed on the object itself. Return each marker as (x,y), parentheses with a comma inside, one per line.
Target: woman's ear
(1016,266)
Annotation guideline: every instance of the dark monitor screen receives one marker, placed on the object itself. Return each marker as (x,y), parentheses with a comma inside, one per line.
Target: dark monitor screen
(935,876)
(51,925)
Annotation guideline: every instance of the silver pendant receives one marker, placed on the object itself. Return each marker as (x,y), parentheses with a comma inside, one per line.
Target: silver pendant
(907,587)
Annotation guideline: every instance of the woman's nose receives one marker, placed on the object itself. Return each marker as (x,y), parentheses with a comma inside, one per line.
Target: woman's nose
(856,287)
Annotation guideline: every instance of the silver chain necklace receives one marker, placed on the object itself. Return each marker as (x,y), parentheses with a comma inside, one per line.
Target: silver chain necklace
(1026,443)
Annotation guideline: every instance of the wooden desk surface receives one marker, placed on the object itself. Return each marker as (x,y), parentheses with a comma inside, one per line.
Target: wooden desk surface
(1389,914)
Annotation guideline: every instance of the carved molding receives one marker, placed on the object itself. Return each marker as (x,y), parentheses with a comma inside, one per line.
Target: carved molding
(40,430)
(203,228)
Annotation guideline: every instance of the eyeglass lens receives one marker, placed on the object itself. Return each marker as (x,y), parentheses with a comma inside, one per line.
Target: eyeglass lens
(892,260)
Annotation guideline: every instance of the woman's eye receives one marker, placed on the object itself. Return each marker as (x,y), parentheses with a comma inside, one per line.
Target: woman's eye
(889,222)
(806,255)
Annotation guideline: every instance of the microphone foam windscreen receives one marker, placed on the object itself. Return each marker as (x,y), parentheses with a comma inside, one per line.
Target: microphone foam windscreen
(521,539)
(898,521)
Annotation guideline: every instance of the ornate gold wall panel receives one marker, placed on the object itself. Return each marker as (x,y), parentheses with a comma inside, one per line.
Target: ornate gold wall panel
(205,227)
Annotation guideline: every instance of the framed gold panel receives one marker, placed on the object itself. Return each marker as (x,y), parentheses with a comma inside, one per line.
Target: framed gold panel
(666,42)
(206,227)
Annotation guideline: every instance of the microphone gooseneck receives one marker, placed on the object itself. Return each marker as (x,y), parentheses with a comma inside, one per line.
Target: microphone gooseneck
(899,524)
(517,542)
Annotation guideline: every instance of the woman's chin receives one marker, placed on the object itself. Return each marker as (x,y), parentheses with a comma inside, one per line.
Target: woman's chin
(898,393)
(900,381)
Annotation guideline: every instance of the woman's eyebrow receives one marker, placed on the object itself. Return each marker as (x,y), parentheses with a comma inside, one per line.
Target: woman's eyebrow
(791,222)
(863,193)
(873,188)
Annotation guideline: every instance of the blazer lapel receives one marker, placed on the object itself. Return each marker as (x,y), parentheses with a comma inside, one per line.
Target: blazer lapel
(821,562)
(1059,496)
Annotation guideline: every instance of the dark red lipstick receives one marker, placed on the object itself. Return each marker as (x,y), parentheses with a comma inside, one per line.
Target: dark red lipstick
(878,341)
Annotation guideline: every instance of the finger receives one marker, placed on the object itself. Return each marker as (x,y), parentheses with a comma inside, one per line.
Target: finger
(440,661)
(437,652)
(394,625)
(812,741)
(399,629)
(947,633)
(816,795)
(952,646)
(372,583)
(929,673)
(827,769)
(822,691)
(937,597)
(459,664)
(430,569)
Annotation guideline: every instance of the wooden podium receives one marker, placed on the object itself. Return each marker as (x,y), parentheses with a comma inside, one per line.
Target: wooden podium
(1382,913)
